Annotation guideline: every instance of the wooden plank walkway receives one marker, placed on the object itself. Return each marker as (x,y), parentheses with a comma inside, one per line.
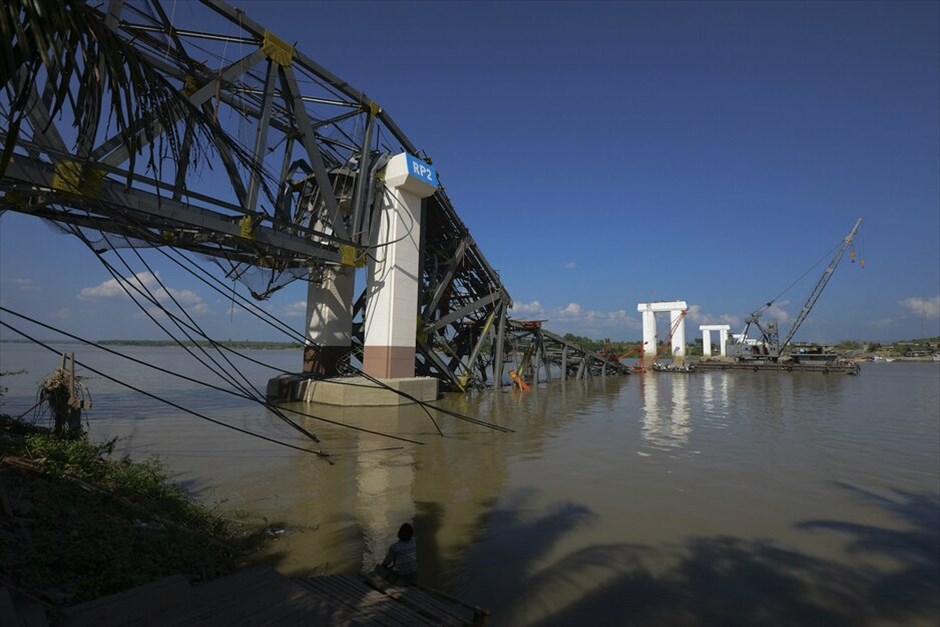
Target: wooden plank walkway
(262,596)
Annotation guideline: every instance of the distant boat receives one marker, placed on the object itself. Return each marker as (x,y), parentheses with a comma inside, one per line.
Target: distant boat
(936,356)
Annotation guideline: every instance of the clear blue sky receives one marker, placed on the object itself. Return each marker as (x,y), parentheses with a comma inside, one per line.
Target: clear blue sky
(604,152)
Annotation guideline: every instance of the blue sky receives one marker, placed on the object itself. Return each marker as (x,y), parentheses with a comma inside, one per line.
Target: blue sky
(603,154)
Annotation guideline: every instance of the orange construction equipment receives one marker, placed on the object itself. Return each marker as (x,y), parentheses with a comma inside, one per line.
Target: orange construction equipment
(637,351)
(665,343)
(518,381)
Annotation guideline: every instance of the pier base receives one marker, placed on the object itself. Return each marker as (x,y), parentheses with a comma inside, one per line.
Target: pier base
(352,391)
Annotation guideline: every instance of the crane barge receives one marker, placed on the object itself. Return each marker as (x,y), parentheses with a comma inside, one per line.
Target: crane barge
(766,352)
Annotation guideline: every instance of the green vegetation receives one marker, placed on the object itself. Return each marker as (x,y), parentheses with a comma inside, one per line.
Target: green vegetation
(81,524)
(599,345)
(849,345)
(918,347)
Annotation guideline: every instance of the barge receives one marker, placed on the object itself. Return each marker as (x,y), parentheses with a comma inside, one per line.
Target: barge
(839,366)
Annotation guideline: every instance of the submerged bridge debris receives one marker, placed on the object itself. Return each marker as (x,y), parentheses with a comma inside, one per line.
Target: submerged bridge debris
(548,356)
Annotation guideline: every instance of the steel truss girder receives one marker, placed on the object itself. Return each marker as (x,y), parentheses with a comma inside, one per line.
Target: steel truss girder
(147,210)
(285,117)
(307,182)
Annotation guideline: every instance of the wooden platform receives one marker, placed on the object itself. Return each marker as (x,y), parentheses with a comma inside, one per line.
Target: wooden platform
(262,596)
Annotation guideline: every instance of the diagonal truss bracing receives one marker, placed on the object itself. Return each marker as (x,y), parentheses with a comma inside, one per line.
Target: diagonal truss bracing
(255,156)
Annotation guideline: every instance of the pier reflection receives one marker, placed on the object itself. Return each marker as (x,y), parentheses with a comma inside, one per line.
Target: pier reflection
(345,515)
(715,395)
(667,419)
(464,476)
(381,482)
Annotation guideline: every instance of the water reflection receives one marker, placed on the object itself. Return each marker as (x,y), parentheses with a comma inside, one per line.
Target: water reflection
(667,419)
(708,394)
(715,400)
(383,494)
(463,475)
(560,523)
(682,425)
(447,487)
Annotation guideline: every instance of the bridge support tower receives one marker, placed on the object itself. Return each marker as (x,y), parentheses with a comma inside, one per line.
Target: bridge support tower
(392,275)
(706,330)
(329,321)
(676,322)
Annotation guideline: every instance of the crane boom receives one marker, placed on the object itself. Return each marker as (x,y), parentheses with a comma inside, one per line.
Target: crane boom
(820,285)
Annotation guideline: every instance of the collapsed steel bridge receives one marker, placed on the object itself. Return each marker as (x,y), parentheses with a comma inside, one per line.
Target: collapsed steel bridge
(267,164)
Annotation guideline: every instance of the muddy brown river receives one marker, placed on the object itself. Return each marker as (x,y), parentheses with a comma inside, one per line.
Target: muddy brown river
(718,498)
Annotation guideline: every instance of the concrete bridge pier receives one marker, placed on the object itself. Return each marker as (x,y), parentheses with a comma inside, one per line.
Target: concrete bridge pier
(391,310)
(392,275)
(678,336)
(329,321)
(706,330)
(676,311)
(649,333)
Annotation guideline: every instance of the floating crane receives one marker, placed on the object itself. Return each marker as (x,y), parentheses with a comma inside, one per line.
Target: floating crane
(769,348)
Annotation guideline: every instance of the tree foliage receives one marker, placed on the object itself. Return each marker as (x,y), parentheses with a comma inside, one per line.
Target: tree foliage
(69,48)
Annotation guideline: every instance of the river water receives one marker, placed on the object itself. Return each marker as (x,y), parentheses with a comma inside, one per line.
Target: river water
(713,498)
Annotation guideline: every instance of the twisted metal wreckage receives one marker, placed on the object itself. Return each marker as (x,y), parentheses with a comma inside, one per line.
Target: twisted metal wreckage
(301,151)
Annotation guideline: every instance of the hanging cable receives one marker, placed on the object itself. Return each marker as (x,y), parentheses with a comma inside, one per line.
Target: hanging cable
(802,276)
(321,454)
(205,384)
(123,282)
(291,332)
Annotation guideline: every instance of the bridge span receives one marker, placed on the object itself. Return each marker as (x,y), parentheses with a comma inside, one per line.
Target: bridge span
(131,130)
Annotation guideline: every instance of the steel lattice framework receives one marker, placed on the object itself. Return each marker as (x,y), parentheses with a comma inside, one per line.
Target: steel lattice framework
(292,191)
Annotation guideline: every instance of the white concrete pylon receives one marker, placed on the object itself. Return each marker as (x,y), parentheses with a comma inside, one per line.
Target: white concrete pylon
(706,330)
(677,322)
(329,321)
(649,311)
(392,274)
(649,333)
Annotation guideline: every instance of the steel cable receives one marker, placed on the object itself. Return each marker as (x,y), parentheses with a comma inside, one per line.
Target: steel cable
(165,401)
(205,384)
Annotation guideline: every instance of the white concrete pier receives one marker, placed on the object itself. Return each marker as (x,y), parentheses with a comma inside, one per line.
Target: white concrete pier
(706,330)
(329,321)
(392,275)
(676,311)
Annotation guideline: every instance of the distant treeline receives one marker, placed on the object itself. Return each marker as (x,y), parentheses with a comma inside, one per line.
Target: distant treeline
(236,344)
(695,346)
(597,345)
(620,347)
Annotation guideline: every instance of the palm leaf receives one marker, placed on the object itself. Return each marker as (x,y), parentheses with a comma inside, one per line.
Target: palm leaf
(88,66)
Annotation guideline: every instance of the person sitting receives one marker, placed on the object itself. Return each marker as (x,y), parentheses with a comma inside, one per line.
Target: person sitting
(400,566)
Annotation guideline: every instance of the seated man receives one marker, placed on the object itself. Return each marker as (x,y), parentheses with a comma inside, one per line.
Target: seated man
(400,566)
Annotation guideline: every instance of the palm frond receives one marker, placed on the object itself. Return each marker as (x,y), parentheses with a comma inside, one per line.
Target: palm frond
(101,76)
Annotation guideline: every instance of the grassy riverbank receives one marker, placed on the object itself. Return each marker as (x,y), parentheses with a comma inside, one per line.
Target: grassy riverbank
(78,523)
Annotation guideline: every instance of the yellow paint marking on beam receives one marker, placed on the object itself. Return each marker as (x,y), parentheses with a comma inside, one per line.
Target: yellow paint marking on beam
(72,178)
(277,49)
(351,257)
(247,226)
